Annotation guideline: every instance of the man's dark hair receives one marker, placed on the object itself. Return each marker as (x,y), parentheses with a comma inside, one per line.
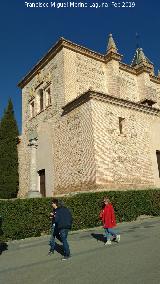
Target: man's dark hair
(102,205)
(55,201)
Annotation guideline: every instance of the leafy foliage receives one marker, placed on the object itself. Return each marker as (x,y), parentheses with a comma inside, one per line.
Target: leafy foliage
(22,218)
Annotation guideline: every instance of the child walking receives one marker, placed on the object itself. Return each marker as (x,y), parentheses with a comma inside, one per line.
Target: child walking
(109,222)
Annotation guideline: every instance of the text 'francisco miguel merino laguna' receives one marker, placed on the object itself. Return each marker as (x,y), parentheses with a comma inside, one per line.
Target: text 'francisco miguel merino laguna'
(72,4)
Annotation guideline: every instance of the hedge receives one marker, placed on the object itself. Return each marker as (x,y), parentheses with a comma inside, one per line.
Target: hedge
(23,218)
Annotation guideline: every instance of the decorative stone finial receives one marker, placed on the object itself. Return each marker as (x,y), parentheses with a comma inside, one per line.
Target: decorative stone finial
(111,45)
(140,59)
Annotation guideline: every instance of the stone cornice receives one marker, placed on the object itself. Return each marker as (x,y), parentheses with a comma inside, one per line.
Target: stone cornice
(41,63)
(63,43)
(53,51)
(143,68)
(108,99)
(155,79)
(83,50)
(127,68)
(134,71)
(113,56)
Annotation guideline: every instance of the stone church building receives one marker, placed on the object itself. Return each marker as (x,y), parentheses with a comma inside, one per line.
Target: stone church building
(89,122)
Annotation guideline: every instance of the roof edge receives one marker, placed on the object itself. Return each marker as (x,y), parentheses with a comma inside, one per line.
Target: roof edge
(62,42)
(110,99)
(40,63)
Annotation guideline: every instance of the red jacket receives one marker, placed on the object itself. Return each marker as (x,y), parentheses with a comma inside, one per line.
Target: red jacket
(108,217)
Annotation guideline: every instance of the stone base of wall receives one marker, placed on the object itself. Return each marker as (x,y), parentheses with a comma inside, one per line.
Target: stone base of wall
(74,189)
(124,186)
(93,187)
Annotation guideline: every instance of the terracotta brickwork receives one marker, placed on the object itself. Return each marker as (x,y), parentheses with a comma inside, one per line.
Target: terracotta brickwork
(89,122)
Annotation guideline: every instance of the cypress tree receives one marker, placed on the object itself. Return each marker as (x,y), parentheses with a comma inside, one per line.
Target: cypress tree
(8,154)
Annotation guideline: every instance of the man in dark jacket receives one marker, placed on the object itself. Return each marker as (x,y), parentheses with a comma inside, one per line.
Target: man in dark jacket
(63,222)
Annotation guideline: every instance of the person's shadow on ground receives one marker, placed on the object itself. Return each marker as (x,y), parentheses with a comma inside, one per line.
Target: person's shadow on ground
(58,247)
(3,245)
(99,237)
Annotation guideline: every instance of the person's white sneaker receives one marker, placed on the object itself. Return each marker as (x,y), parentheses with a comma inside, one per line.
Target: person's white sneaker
(118,238)
(108,243)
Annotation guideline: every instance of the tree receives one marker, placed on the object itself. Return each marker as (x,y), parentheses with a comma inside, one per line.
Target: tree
(8,154)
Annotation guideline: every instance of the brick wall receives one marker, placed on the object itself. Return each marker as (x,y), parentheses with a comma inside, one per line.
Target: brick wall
(123,159)
(74,151)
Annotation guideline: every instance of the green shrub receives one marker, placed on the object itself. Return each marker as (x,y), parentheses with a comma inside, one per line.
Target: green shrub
(22,218)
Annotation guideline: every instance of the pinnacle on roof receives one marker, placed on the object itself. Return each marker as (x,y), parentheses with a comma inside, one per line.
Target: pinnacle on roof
(140,58)
(111,45)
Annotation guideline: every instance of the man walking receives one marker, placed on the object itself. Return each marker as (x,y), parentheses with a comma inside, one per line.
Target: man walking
(63,223)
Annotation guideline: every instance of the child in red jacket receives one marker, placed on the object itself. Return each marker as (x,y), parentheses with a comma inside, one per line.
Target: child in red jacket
(109,222)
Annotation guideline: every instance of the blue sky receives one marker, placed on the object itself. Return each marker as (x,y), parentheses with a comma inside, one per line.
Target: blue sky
(26,34)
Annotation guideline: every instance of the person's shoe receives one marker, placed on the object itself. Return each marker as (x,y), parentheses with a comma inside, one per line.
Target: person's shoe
(66,257)
(108,243)
(114,239)
(51,252)
(118,237)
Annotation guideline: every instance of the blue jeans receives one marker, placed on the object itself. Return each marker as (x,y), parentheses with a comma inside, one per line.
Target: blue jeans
(54,234)
(63,235)
(110,232)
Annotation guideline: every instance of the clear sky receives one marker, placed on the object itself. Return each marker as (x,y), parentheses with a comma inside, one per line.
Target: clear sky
(26,34)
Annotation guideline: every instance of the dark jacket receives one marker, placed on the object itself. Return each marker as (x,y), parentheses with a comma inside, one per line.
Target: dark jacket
(63,218)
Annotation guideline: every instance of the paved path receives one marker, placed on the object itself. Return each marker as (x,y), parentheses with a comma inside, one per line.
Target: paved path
(135,260)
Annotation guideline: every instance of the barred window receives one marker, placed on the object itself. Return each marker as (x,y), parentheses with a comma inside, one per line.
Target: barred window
(158,160)
(41,99)
(121,124)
